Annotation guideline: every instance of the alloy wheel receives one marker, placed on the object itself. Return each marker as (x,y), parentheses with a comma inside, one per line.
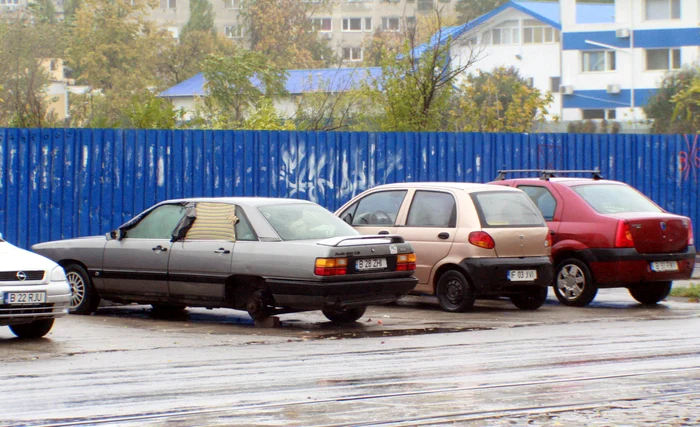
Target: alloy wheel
(571,281)
(77,289)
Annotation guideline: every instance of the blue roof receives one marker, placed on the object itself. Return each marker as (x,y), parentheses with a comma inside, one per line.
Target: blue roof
(544,11)
(298,81)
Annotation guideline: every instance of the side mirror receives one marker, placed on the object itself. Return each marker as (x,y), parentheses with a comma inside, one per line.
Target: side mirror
(114,235)
(348,218)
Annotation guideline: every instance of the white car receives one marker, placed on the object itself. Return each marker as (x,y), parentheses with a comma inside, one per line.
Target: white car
(33,291)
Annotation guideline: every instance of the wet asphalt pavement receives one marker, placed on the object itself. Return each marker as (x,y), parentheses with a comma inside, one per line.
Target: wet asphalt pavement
(614,363)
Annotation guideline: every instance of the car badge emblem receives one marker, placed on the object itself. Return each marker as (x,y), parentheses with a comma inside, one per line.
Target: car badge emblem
(663,226)
(21,276)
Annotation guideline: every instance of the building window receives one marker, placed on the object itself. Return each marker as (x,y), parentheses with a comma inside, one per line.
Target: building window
(554,83)
(232,4)
(598,114)
(507,32)
(322,25)
(663,9)
(352,24)
(598,60)
(390,24)
(411,21)
(425,5)
(9,2)
(368,24)
(663,59)
(535,32)
(352,54)
(172,4)
(234,31)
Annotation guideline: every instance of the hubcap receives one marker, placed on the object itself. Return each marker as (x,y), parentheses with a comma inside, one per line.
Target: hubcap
(454,291)
(571,281)
(77,289)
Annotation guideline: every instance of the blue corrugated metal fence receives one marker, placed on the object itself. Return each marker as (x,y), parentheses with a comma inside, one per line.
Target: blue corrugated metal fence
(61,183)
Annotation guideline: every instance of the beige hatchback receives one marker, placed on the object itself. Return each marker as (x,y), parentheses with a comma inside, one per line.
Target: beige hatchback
(471,240)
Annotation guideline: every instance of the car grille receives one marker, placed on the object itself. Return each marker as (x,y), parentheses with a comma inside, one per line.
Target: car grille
(10,310)
(11,276)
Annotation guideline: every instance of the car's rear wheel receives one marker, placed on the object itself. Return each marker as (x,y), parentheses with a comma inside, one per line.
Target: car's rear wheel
(168,310)
(36,329)
(257,306)
(454,292)
(347,315)
(650,293)
(532,299)
(84,298)
(574,285)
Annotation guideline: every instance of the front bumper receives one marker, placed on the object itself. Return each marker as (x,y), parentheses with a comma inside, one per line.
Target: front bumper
(57,301)
(490,275)
(305,295)
(625,266)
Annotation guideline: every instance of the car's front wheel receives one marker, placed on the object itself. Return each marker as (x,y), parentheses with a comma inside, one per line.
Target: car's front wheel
(454,292)
(574,284)
(257,306)
(84,298)
(347,315)
(36,329)
(650,293)
(532,299)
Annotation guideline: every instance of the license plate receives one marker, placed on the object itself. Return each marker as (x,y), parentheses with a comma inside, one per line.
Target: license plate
(11,298)
(658,266)
(522,275)
(370,264)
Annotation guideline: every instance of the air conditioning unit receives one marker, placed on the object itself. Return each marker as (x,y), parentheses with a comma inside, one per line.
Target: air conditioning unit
(622,33)
(566,90)
(613,88)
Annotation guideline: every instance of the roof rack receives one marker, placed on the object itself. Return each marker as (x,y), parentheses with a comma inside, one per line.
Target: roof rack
(545,174)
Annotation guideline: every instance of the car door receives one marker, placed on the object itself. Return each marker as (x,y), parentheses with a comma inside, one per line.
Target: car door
(548,201)
(137,263)
(376,213)
(430,227)
(201,262)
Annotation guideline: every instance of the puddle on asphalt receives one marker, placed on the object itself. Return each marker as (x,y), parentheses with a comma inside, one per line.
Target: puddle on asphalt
(394,332)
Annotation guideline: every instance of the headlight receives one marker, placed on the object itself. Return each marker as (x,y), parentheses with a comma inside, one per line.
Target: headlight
(58,275)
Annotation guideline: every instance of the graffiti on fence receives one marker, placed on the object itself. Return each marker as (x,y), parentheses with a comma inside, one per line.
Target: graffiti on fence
(689,161)
(548,155)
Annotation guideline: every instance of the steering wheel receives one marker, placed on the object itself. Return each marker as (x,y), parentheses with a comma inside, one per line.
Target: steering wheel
(380,217)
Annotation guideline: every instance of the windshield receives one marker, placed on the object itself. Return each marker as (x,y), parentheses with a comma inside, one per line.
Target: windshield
(611,199)
(507,209)
(305,221)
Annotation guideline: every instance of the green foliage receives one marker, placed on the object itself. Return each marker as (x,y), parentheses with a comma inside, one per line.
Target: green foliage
(182,57)
(265,117)
(201,17)
(324,110)
(237,83)
(686,111)
(498,101)
(691,291)
(662,106)
(468,10)
(139,111)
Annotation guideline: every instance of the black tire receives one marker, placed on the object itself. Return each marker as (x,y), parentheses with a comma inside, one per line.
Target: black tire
(651,293)
(347,315)
(168,310)
(574,284)
(532,299)
(84,298)
(257,306)
(36,329)
(454,292)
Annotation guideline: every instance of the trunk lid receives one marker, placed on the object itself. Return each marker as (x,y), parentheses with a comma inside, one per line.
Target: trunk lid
(657,233)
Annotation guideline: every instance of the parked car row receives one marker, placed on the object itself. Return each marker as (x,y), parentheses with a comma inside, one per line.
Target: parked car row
(458,241)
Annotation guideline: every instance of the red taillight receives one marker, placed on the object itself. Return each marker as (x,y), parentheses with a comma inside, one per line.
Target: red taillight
(548,240)
(406,262)
(691,238)
(331,266)
(623,236)
(481,239)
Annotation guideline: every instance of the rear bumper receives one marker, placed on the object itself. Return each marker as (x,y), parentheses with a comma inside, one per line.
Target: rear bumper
(304,295)
(625,266)
(57,302)
(490,275)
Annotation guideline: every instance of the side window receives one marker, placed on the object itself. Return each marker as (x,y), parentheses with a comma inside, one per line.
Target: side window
(543,199)
(432,209)
(215,221)
(244,231)
(158,224)
(379,208)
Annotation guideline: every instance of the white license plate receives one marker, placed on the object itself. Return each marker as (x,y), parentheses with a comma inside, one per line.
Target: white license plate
(370,264)
(23,298)
(664,266)
(522,275)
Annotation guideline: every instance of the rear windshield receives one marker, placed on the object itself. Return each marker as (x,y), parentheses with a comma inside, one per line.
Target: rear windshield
(611,199)
(507,209)
(305,221)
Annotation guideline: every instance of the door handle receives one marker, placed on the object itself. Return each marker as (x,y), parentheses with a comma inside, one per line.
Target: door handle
(222,251)
(383,232)
(160,248)
(444,235)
